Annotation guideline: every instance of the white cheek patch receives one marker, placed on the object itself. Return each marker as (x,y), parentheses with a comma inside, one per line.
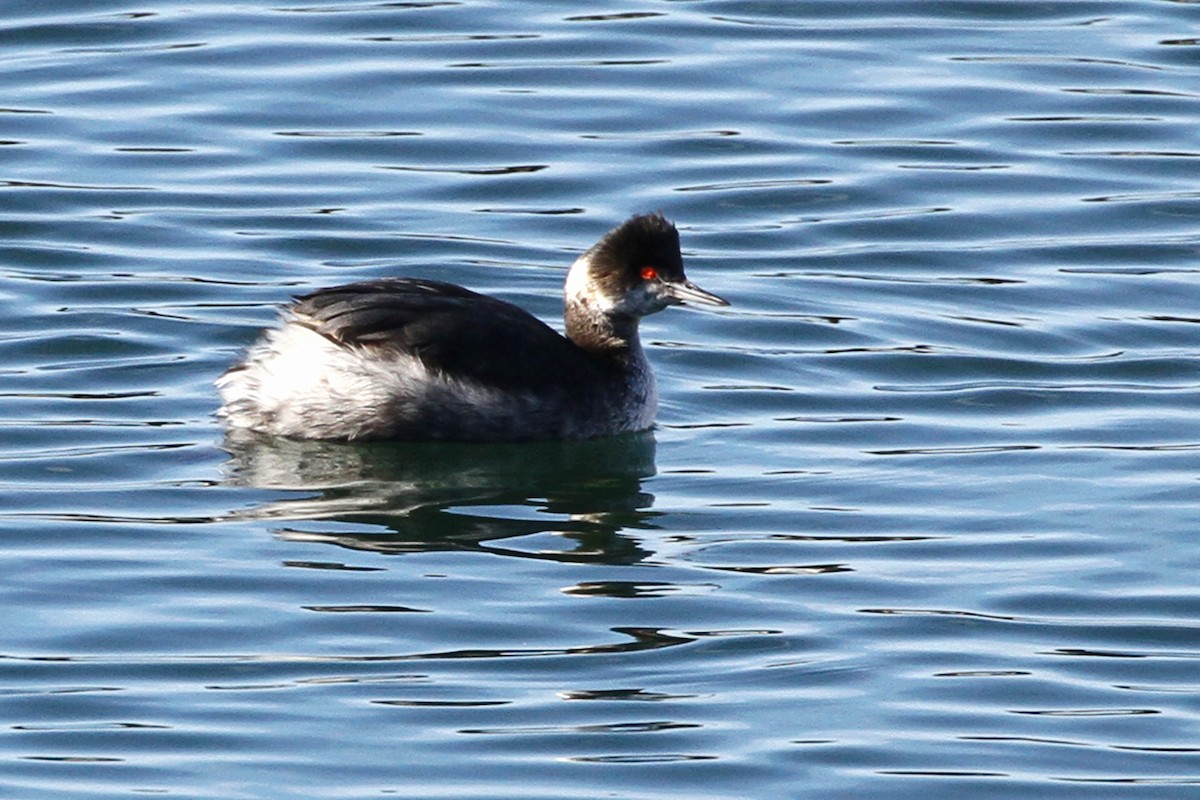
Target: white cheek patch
(581,287)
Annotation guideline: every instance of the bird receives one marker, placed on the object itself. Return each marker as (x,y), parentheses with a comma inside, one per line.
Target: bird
(424,360)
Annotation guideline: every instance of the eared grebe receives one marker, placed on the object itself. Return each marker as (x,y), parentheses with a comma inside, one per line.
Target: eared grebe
(402,358)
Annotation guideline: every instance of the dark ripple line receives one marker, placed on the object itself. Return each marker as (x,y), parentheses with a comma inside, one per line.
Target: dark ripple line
(641,639)
(360,8)
(1009,448)
(552,63)
(76,759)
(1089,653)
(450,37)
(367,609)
(1134,92)
(615,17)
(892,213)
(954,451)
(921,280)
(643,758)
(488,171)
(1135,781)
(346,134)
(944,773)
(760,184)
(938,612)
(1132,153)
(134,48)
(1089,712)
(14,184)
(1005,386)
(442,703)
(1029,59)
(1091,118)
(1137,448)
(1147,197)
(653,726)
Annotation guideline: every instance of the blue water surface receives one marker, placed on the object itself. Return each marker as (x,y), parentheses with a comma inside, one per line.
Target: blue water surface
(919,515)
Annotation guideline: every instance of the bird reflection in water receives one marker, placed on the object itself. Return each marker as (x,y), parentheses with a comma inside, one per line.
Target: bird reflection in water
(403,497)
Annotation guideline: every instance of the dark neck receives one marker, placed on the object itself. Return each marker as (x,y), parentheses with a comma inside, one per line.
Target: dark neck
(600,333)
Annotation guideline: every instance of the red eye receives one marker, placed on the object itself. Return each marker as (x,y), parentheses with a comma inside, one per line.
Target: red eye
(649,273)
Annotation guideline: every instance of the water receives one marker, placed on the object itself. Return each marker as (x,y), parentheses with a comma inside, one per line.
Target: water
(919,514)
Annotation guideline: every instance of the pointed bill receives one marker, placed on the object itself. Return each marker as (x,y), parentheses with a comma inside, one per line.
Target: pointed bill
(688,292)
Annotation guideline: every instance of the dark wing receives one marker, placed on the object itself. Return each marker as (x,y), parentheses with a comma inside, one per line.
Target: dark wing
(452,330)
